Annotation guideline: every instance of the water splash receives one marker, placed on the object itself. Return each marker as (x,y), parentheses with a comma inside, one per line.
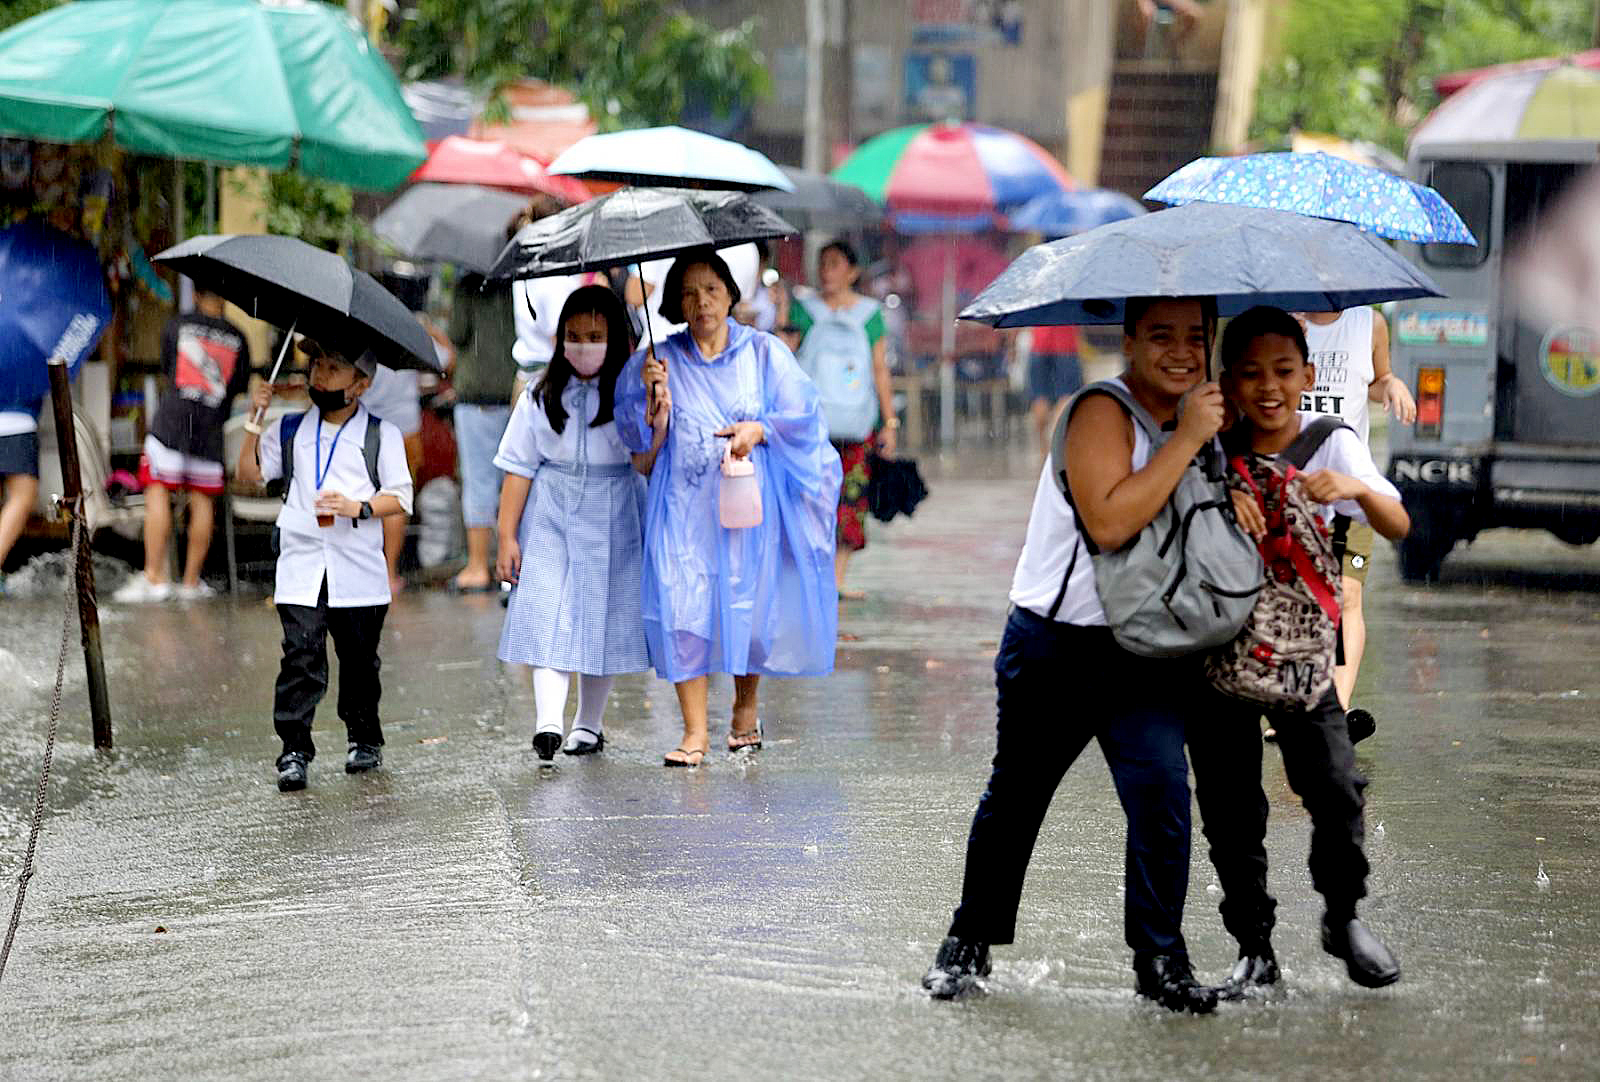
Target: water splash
(1542,879)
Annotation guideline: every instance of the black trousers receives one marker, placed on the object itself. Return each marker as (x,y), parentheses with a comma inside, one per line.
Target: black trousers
(1320,763)
(1059,686)
(303,676)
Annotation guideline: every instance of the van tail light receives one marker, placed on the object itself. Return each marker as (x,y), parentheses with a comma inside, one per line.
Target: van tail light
(1430,403)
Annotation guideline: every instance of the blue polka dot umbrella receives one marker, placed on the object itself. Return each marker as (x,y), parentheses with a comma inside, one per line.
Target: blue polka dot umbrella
(1320,186)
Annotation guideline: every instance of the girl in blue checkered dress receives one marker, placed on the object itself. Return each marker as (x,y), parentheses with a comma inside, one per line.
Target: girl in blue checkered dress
(570,536)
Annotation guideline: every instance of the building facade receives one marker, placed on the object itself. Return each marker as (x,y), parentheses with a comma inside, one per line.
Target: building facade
(1121,90)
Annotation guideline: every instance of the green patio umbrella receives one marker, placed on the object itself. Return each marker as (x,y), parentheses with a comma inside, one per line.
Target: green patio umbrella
(281,83)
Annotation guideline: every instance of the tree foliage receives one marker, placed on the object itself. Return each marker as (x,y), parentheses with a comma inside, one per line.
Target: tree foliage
(633,62)
(14,11)
(1364,69)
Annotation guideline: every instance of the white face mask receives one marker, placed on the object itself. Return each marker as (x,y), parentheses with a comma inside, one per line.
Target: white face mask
(586,357)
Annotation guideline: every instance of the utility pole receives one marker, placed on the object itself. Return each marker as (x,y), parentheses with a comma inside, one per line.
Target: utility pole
(838,79)
(814,149)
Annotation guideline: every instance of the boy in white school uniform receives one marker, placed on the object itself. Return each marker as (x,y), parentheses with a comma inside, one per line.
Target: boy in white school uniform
(345,470)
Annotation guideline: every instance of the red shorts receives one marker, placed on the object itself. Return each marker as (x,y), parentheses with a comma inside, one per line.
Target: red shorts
(161,465)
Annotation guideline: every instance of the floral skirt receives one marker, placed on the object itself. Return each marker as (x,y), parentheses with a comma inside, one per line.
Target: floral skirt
(852,532)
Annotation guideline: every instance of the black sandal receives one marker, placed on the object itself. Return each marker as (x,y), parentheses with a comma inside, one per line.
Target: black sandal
(684,762)
(583,747)
(750,738)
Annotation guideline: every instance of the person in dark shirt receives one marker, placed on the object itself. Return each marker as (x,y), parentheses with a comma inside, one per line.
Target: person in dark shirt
(207,362)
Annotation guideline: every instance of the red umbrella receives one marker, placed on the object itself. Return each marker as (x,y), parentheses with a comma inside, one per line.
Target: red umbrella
(457,159)
(1460,80)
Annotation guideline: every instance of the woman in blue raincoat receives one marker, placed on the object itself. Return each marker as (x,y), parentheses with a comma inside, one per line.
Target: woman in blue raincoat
(752,602)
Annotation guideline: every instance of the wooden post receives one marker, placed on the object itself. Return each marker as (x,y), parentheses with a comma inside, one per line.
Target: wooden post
(947,346)
(88,613)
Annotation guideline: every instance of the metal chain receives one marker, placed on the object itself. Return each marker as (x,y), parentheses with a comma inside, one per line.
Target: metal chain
(50,739)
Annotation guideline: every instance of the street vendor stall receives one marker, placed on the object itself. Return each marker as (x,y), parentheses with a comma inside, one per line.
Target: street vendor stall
(104,102)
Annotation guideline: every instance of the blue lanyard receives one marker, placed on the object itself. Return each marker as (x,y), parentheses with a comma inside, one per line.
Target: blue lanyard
(322,472)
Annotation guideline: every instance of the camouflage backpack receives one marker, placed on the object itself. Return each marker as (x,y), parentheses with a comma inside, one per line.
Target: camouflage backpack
(1284,656)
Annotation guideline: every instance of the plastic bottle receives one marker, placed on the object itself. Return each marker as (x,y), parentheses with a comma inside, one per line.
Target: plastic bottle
(739,498)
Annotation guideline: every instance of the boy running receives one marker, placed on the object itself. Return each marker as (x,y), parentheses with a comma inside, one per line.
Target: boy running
(1265,369)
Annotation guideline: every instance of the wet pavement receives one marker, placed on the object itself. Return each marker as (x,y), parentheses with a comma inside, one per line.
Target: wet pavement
(464,913)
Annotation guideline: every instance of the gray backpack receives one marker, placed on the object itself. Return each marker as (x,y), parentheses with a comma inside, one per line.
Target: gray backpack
(1188,580)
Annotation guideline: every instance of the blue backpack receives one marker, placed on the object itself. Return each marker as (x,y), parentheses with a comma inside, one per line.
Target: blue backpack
(837,355)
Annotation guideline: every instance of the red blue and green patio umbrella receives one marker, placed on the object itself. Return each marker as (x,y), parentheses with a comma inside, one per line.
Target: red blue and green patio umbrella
(949,179)
(939,178)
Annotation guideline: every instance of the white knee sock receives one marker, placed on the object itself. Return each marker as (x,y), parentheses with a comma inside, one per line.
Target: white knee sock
(550,699)
(593,692)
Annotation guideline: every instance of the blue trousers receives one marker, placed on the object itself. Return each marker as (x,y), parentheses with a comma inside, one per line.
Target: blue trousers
(1059,686)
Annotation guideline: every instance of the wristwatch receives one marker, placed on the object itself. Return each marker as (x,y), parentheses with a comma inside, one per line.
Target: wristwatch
(366,510)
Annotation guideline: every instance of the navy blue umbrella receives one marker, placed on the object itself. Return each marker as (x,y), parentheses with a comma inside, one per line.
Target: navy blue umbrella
(1243,256)
(53,303)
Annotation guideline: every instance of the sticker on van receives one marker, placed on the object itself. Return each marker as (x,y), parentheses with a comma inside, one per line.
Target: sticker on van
(1569,357)
(1443,329)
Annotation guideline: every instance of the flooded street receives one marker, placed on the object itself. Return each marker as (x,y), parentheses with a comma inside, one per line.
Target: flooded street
(463,913)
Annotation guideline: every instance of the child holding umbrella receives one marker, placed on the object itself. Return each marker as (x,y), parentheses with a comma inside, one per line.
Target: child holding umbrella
(342,468)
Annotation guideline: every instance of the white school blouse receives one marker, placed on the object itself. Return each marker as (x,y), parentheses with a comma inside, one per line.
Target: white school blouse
(349,554)
(529,440)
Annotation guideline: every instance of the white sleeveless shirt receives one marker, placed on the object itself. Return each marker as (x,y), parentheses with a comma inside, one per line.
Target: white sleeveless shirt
(1342,354)
(1048,550)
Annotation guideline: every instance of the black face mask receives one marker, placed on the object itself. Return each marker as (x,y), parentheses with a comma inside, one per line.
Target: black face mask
(328,401)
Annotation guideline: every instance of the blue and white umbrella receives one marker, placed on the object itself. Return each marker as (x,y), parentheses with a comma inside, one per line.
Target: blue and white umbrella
(1319,186)
(53,304)
(1061,214)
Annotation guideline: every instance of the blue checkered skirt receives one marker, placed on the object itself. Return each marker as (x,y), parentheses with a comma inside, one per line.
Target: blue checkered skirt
(576,606)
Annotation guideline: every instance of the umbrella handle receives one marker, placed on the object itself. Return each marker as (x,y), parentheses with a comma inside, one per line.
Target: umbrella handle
(650,337)
(283,351)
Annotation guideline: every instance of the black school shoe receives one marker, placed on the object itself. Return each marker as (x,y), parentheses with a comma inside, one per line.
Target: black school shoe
(545,746)
(1257,968)
(362,758)
(1361,723)
(1168,979)
(291,772)
(956,968)
(1366,959)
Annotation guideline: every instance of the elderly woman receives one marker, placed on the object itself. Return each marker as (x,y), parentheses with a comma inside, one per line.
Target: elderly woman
(749,602)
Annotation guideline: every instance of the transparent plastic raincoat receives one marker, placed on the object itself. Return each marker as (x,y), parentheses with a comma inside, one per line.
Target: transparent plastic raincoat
(759,600)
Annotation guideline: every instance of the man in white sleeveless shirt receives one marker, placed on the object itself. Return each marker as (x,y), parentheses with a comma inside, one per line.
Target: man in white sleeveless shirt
(1350,351)
(1062,680)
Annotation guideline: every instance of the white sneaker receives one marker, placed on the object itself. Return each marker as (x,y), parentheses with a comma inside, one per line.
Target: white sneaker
(200,591)
(139,590)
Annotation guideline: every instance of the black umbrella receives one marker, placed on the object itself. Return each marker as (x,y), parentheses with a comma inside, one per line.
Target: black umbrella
(1243,256)
(286,281)
(633,225)
(820,202)
(464,224)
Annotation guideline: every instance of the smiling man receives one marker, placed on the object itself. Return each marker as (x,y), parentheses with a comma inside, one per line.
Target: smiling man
(1063,680)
